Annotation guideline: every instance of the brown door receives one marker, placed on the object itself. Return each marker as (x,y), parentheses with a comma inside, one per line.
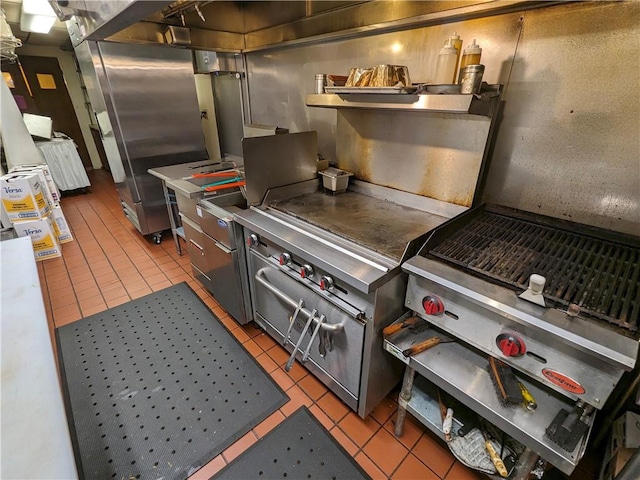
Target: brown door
(52,99)
(19,89)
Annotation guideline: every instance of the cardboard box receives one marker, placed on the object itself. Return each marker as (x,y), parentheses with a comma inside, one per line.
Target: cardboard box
(44,237)
(626,432)
(22,196)
(45,176)
(624,441)
(64,232)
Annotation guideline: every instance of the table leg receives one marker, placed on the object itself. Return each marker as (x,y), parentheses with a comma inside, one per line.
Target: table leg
(526,462)
(172,210)
(405,396)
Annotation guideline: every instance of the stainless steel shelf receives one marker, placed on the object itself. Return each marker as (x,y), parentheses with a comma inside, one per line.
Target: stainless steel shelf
(461,372)
(484,104)
(425,407)
(424,102)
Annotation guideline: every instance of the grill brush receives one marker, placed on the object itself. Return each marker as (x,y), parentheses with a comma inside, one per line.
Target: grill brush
(505,382)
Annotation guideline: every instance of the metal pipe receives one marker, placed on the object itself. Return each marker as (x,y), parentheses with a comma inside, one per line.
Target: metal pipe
(329,327)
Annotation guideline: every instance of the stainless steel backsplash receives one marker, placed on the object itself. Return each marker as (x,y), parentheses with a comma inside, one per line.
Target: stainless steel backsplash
(567,145)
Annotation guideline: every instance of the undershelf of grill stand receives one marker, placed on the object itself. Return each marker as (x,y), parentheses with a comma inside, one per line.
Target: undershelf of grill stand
(461,372)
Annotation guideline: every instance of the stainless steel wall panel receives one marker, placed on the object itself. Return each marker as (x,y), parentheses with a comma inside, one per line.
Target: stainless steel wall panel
(439,156)
(568,145)
(278,160)
(227,96)
(396,143)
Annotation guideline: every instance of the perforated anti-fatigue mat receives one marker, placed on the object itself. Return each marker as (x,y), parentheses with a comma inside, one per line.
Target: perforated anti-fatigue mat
(157,387)
(300,448)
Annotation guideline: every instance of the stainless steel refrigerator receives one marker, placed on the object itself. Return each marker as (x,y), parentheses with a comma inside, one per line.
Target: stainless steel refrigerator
(144,99)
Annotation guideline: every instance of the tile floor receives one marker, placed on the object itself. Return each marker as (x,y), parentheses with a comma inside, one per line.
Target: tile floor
(110,263)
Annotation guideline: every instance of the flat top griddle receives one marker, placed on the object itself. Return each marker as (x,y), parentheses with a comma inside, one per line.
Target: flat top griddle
(593,268)
(382,226)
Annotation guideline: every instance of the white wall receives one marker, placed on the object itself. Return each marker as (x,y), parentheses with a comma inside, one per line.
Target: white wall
(72,80)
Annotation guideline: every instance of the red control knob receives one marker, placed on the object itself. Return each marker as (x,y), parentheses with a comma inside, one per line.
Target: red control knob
(510,345)
(326,283)
(432,305)
(306,271)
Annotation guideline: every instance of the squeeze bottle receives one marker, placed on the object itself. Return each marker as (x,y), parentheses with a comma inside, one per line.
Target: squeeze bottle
(446,67)
(456,41)
(471,55)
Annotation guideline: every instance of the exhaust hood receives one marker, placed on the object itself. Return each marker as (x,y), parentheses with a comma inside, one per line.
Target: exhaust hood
(245,26)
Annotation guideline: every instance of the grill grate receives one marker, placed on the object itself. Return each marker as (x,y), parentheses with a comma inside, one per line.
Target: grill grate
(601,276)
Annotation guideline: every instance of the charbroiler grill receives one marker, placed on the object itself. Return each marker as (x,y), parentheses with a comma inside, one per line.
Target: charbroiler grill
(600,273)
(467,280)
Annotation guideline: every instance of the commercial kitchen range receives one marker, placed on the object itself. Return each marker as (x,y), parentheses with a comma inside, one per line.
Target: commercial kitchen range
(570,351)
(324,269)
(328,272)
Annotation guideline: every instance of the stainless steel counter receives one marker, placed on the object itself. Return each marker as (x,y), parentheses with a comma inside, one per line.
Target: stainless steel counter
(175,179)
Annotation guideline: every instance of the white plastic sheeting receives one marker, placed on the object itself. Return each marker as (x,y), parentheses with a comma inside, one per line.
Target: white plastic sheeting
(64,163)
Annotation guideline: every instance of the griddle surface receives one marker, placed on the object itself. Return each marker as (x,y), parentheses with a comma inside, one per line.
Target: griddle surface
(382,226)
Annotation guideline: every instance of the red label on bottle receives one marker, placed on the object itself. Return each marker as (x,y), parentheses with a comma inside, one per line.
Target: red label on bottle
(564,382)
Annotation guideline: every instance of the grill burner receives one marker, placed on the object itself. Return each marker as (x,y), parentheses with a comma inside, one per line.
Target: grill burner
(600,275)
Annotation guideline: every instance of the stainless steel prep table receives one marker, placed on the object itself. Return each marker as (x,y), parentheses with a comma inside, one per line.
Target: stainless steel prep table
(178,174)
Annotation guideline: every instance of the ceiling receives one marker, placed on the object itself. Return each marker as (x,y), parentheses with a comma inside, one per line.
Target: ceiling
(57,37)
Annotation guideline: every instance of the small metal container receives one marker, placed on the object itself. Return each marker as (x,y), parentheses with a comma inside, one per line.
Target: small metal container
(321,80)
(471,78)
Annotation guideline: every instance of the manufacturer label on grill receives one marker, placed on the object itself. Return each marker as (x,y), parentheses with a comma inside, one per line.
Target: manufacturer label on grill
(564,382)
(222,223)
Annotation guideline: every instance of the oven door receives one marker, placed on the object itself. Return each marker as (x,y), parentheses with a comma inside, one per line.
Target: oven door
(335,351)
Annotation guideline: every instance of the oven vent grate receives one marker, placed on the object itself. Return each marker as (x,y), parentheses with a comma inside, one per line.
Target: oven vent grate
(601,276)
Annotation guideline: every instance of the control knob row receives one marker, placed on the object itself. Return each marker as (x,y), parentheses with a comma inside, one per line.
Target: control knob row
(306,271)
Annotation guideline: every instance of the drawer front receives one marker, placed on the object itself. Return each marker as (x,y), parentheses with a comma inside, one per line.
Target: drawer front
(220,229)
(187,206)
(195,244)
(226,285)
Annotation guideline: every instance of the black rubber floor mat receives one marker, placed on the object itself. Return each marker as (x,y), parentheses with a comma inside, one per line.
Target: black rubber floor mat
(300,448)
(157,387)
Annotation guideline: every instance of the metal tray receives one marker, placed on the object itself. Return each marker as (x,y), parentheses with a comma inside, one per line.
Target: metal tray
(377,90)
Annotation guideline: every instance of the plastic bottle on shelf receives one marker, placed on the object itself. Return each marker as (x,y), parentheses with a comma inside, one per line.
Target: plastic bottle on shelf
(446,67)
(471,55)
(456,41)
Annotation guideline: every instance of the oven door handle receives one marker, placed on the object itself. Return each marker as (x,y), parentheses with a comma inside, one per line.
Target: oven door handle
(329,327)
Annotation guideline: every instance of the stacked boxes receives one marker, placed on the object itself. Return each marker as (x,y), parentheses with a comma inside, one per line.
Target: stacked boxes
(50,189)
(44,237)
(30,200)
(22,197)
(623,443)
